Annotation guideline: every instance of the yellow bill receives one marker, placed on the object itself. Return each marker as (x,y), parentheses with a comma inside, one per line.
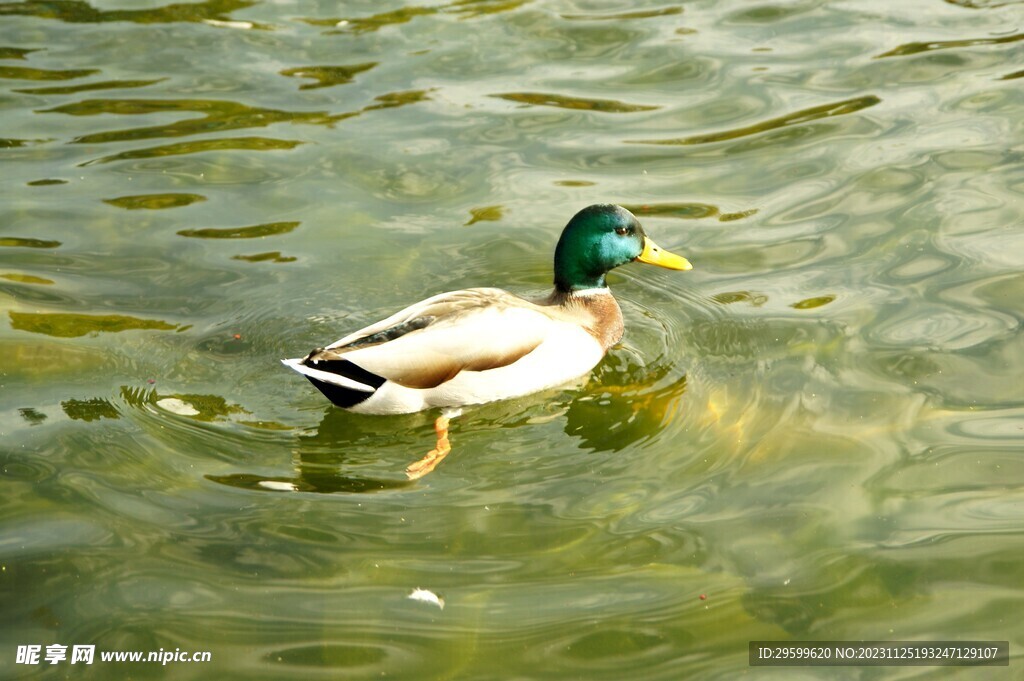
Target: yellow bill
(654,255)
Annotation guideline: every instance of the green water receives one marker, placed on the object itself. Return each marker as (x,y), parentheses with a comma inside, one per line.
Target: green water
(817,434)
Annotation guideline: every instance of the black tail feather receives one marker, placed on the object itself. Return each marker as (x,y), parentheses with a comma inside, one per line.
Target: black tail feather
(339,395)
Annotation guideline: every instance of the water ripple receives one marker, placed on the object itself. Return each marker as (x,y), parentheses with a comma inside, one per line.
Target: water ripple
(89,87)
(79,11)
(797,118)
(198,147)
(919,47)
(327,76)
(576,103)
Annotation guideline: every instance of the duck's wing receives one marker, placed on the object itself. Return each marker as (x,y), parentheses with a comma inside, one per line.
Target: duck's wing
(432,341)
(421,314)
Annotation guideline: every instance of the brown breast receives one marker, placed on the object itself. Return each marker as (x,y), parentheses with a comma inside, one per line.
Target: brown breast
(607,326)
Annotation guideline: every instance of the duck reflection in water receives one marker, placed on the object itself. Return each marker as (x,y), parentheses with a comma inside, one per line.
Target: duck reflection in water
(624,403)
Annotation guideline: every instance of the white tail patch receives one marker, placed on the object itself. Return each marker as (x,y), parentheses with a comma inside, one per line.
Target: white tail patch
(327,376)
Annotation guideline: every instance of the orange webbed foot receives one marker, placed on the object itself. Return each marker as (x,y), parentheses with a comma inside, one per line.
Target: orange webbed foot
(417,470)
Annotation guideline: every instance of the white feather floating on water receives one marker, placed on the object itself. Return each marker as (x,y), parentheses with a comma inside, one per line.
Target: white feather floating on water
(424,596)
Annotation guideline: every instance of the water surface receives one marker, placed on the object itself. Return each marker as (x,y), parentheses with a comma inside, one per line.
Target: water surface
(814,435)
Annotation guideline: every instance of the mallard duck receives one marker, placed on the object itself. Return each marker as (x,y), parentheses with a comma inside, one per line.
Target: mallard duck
(485,344)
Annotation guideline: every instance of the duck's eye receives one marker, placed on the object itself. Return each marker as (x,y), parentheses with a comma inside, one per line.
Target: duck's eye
(621,231)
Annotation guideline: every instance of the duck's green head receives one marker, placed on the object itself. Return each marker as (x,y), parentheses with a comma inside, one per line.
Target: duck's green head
(600,238)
